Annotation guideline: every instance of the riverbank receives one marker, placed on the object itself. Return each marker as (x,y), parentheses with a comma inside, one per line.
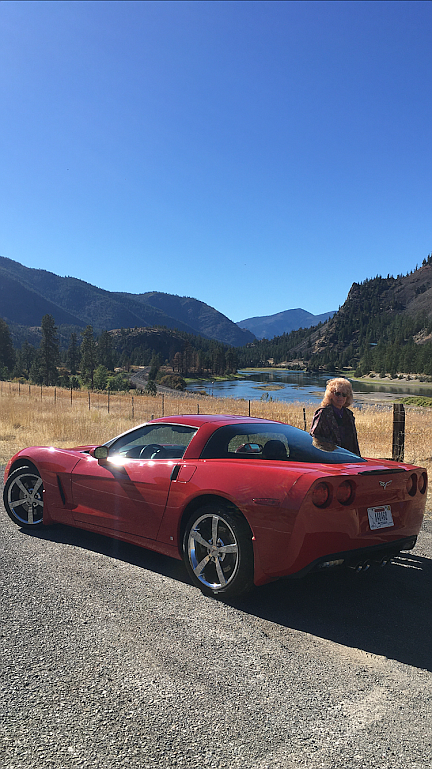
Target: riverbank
(386,380)
(396,390)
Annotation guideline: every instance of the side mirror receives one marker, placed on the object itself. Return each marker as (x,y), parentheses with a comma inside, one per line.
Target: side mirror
(100,452)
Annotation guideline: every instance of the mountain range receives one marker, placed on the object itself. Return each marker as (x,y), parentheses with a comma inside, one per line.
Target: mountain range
(268,326)
(27,294)
(385,324)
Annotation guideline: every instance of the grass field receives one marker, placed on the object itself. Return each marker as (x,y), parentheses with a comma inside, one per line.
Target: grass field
(46,417)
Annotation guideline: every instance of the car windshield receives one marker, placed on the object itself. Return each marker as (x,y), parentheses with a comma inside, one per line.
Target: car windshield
(161,441)
(273,441)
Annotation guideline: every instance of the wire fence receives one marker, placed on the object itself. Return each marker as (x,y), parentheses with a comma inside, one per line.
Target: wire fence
(141,406)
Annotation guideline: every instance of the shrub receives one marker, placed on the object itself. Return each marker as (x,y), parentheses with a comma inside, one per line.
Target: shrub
(117,383)
(100,378)
(175,381)
(151,388)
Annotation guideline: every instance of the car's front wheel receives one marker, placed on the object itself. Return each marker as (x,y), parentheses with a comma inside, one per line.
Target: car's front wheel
(23,496)
(218,552)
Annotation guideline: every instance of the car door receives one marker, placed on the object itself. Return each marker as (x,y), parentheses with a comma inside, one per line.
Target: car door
(126,497)
(128,491)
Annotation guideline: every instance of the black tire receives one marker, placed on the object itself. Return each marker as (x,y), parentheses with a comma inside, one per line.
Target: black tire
(218,552)
(23,496)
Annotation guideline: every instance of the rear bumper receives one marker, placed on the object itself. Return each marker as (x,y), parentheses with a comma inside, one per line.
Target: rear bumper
(357,558)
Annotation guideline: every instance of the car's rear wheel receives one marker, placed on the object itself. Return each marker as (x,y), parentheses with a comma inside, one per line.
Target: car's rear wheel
(218,552)
(23,496)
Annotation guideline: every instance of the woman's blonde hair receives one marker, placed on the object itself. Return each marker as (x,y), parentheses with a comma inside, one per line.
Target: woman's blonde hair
(339,384)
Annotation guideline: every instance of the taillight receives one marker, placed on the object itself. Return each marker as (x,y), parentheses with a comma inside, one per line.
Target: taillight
(345,493)
(321,495)
(422,483)
(412,485)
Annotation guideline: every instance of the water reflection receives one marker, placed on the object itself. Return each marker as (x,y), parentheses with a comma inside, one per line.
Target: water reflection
(286,385)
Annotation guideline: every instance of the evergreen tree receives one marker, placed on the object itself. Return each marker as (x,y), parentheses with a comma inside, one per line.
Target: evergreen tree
(101,378)
(231,361)
(36,375)
(24,360)
(155,364)
(73,353)
(49,354)
(88,355)
(7,353)
(105,351)
(28,354)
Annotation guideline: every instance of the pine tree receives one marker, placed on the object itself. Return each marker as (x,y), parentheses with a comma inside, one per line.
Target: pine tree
(24,360)
(73,353)
(7,353)
(49,355)
(88,355)
(105,351)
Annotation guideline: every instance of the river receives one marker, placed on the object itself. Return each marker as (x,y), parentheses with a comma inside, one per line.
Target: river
(286,385)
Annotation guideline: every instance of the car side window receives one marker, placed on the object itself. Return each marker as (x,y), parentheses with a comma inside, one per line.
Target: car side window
(163,441)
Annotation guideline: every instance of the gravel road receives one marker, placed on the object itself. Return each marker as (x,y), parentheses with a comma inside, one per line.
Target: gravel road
(110,658)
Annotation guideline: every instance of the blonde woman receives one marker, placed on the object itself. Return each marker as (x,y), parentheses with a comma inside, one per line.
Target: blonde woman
(333,421)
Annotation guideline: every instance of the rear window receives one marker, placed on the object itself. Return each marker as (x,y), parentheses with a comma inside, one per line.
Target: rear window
(277,442)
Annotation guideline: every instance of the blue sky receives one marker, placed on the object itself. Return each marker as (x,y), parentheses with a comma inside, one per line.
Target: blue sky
(259,156)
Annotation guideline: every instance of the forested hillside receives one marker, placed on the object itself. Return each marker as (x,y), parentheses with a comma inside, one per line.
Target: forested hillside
(385,325)
(91,359)
(26,294)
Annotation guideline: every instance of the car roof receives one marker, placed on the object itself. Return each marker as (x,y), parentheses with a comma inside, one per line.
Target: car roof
(206,424)
(197,420)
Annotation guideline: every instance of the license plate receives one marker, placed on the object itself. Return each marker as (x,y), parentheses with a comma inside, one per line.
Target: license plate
(380,517)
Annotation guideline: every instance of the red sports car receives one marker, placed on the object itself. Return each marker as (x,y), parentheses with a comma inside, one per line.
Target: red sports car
(242,501)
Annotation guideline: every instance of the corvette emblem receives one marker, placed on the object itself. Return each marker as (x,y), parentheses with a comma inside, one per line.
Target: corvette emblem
(384,484)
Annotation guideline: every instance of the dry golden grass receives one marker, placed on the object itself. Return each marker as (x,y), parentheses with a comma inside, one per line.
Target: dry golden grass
(29,417)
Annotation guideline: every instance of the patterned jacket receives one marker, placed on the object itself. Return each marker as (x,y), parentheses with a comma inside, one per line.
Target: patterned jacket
(325,426)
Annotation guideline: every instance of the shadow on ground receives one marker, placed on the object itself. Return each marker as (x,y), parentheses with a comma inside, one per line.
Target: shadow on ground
(385,611)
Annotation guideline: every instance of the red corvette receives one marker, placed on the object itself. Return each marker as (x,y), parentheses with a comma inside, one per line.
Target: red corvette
(242,501)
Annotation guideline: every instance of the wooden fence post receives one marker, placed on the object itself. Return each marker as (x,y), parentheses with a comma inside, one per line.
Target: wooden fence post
(163,405)
(89,399)
(304,419)
(398,432)
(249,408)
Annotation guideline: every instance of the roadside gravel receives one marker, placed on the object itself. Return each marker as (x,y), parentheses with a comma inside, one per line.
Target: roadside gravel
(110,658)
